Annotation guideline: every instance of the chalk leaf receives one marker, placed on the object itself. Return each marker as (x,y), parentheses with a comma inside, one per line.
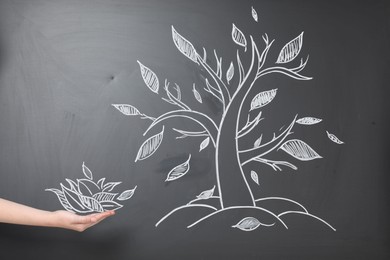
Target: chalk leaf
(263,98)
(127,110)
(308,121)
(206,194)
(230,72)
(149,77)
(179,170)
(198,97)
(299,150)
(204,144)
(184,46)
(150,146)
(127,194)
(254,14)
(87,172)
(238,37)
(248,224)
(255,177)
(334,138)
(291,50)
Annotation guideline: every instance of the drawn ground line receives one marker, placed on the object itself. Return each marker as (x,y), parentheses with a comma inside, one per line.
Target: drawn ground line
(286,199)
(307,214)
(182,207)
(237,207)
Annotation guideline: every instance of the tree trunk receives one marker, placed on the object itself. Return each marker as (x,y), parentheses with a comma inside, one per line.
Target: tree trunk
(233,187)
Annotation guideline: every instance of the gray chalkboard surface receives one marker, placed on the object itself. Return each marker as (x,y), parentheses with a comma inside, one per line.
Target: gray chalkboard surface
(216,129)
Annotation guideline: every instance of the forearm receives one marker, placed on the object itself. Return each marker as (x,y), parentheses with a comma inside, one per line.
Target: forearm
(14,213)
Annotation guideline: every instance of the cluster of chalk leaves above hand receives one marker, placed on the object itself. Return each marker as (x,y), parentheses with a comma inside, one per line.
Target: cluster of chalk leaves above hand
(85,195)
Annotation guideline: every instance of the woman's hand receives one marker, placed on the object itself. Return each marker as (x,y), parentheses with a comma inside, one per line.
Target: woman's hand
(72,221)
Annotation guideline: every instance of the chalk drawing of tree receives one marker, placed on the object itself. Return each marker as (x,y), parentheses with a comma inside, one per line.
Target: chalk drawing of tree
(224,136)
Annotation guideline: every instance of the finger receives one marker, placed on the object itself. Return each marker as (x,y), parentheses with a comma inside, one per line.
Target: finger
(97,217)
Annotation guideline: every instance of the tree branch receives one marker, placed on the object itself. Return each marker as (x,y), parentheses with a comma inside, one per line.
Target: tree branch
(203,120)
(275,164)
(257,152)
(221,86)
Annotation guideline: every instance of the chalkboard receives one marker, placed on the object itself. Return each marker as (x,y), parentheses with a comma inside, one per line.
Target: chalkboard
(215,129)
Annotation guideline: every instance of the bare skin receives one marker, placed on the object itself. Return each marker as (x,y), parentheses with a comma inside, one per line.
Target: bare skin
(15,213)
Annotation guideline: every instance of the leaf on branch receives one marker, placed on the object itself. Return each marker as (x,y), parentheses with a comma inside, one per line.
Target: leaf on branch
(204,143)
(198,97)
(255,177)
(238,37)
(127,110)
(149,78)
(333,138)
(127,194)
(291,50)
(299,150)
(263,98)
(308,121)
(258,141)
(254,14)
(150,146)
(230,72)
(179,170)
(87,172)
(184,46)
(206,194)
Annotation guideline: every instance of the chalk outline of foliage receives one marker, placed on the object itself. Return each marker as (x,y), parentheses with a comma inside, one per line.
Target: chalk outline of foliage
(85,196)
(212,130)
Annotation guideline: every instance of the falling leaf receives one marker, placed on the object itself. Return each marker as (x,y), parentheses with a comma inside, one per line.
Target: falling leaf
(258,141)
(127,110)
(308,121)
(248,224)
(254,14)
(238,37)
(263,98)
(333,138)
(110,205)
(204,143)
(104,196)
(179,170)
(87,172)
(230,72)
(184,45)
(150,146)
(196,94)
(300,150)
(255,177)
(109,186)
(291,50)
(149,78)
(127,194)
